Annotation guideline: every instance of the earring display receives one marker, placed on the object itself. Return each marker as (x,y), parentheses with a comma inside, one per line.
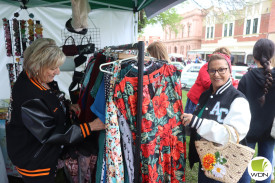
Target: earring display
(10,68)
(30,29)
(16,37)
(6,25)
(19,34)
(38,30)
(23,34)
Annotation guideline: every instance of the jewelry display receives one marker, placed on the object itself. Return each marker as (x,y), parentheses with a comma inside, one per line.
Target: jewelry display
(38,30)
(16,35)
(10,68)
(23,34)
(6,25)
(31,32)
(19,34)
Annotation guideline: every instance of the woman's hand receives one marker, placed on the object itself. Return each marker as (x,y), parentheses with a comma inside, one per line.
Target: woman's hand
(76,109)
(186,118)
(97,125)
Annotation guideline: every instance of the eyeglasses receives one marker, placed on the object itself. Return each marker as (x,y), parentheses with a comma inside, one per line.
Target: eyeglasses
(220,71)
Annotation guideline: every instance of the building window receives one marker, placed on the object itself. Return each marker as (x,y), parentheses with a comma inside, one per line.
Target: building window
(252,26)
(212,32)
(182,32)
(248,22)
(225,30)
(255,25)
(189,27)
(230,29)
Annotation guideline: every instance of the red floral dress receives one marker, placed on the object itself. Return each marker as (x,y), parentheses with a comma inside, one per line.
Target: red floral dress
(163,146)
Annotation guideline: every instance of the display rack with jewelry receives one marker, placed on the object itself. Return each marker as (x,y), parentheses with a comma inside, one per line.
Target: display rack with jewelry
(20,32)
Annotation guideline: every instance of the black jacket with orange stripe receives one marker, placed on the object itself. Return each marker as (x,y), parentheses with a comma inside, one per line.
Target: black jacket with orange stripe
(38,128)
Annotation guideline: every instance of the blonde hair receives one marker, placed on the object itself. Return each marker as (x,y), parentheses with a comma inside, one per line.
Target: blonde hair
(42,53)
(158,51)
(222,50)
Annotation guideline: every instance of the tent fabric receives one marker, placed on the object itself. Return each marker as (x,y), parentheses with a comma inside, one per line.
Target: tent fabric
(116,28)
(131,5)
(159,6)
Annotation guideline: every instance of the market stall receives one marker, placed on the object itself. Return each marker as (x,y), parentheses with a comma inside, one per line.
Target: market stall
(113,23)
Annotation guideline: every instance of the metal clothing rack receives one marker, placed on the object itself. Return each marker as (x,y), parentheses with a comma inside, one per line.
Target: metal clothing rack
(140,47)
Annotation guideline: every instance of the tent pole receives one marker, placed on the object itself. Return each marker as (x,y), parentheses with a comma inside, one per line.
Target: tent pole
(136,27)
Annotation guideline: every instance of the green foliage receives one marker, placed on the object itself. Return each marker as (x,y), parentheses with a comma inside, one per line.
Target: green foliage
(168,18)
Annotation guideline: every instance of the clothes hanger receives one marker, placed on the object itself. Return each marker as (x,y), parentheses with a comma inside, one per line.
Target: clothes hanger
(110,63)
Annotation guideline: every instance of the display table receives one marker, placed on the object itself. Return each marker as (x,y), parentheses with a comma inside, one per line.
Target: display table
(11,170)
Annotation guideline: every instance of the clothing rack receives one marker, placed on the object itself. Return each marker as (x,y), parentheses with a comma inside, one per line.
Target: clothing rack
(140,47)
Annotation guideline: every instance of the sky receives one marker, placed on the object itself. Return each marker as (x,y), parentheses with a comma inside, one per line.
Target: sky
(156,30)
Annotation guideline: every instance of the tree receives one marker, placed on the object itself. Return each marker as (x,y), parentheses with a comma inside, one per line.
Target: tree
(223,9)
(168,18)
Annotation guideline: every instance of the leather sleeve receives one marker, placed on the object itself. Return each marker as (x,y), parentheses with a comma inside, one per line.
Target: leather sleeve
(38,119)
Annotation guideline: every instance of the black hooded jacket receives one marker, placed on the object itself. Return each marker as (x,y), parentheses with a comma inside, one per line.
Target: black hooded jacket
(251,85)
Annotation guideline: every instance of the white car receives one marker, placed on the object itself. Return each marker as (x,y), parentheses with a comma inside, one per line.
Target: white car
(190,73)
(239,71)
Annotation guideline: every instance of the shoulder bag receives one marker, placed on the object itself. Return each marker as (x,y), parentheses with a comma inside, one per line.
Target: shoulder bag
(224,163)
(86,48)
(70,50)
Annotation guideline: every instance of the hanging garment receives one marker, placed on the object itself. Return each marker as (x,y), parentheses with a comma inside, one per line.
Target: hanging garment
(114,159)
(163,146)
(127,147)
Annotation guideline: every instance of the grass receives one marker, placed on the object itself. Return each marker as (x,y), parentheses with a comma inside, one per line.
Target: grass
(192,175)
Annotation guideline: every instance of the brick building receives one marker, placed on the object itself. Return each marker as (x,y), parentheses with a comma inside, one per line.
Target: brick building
(240,31)
(149,39)
(189,34)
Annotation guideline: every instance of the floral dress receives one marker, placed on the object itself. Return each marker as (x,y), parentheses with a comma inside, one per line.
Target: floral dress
(114,158)
(163,146)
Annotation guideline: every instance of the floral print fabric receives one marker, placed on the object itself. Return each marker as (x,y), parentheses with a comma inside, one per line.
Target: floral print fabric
(163,147)
(114,159)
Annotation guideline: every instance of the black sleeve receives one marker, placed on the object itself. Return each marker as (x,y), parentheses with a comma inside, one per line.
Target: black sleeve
(38,119)
(241,85)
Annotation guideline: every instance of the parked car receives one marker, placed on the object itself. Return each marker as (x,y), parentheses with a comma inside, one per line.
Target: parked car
(190,73)
(239,71)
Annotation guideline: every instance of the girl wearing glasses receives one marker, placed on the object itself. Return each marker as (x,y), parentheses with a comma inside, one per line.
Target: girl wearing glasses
(220,104)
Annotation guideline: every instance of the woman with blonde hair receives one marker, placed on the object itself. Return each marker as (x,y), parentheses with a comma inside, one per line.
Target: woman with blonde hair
(158,51)
(39,124)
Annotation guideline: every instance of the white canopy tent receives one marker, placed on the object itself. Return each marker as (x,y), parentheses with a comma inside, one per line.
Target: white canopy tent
(116,27)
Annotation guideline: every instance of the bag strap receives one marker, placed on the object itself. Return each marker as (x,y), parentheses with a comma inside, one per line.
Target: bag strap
(88,40)
(227,128)
(68,38)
